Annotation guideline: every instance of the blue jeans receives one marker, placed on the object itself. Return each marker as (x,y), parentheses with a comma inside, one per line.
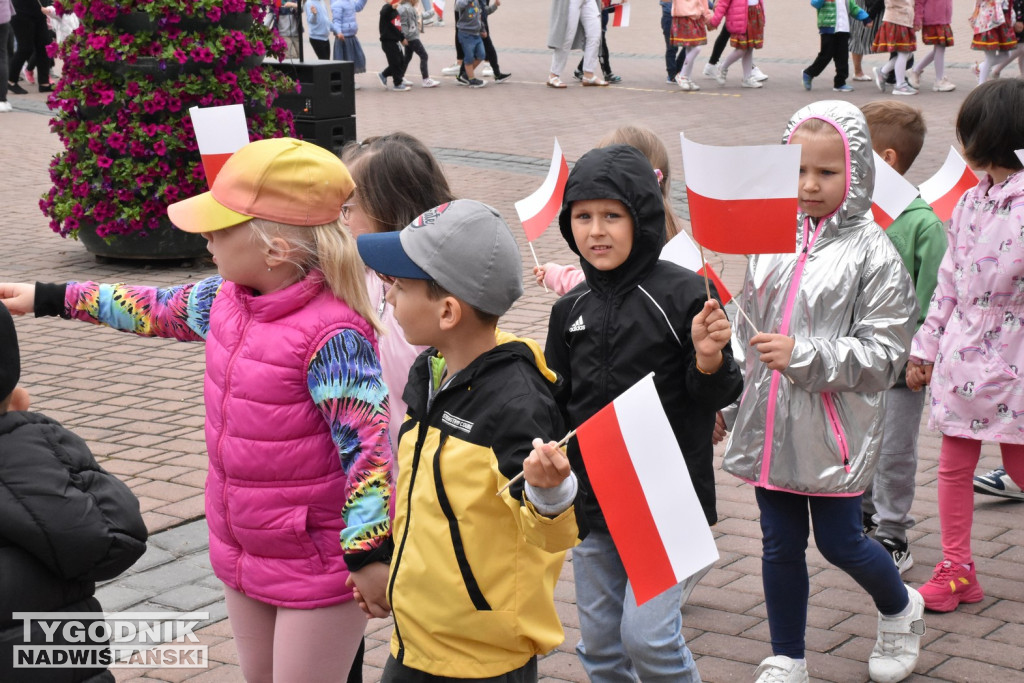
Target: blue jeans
(838,532)
(674,56)
(472,47)
(620,641)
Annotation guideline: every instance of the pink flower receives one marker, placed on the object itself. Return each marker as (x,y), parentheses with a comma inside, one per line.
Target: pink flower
(214,13)
(96,41)
(160,147)
(104,161)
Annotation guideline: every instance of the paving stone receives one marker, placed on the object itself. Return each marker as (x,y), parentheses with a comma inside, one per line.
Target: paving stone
(184,539)
(188,598)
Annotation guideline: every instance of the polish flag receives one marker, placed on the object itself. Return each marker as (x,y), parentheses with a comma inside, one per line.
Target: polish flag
(538,210)
(1020,154)
(683,251)
(944,189)
(620,15)
(439,9)
(742,199)
(220,132)
(892,194)
(640,478)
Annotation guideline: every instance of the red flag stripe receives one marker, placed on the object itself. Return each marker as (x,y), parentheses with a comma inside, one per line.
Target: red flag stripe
(610,469)
(944,205)
(723,293)
(744,226)
(883,219)
(535,225)
(212,163)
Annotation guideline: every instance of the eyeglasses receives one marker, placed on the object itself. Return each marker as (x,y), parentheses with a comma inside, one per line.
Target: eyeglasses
(346,210)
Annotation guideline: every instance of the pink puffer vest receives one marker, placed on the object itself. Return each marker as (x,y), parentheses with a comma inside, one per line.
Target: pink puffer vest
(275,486)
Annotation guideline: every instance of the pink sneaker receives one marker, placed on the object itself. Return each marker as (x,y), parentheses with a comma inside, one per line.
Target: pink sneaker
(950,585)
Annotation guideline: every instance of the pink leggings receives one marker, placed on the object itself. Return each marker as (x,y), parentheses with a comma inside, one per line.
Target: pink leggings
(957,462)
(285,645)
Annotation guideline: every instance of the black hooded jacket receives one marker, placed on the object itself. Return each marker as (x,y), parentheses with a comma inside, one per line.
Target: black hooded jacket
(65,523)
(610,331)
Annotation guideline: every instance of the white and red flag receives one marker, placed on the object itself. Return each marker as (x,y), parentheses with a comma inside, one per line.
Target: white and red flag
(620,15)
(944,189)
(892,194)
(640,478)
(683,251)
(538,210)
(1020,154)
(742,199)
(220,132)
(439,9)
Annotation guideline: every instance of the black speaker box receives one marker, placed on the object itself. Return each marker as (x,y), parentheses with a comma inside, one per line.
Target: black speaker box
(331,134)
(327,89)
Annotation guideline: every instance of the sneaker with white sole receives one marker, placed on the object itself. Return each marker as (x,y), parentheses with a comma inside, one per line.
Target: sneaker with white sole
(487,72)
(430,83)
(914,79)
(782,669)
(879,78)
(903,90)
(899,643)
(383,79)
(710,70)
(944,85)
(751,82)
(899,552)
(461,80)
(452,70)
(5,107)
(476,83)
(757,74)
(720,75)
(998,483)
(402,87)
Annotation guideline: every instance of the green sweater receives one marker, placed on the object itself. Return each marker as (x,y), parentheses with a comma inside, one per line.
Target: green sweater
(920,239)
(827,13)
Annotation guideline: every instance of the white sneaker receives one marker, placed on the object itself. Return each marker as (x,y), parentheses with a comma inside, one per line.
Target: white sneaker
(914,79)
(686,84)
(903,89)
(430,83)
(6,107)
(429,18)
(945,85)
(899,643)
(710,70)
(757,74)
(452,70)
(751,82)
(488,72)
(781,669)
(720,75)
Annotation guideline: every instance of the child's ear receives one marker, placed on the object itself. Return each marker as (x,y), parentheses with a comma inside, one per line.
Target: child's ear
(278,252)
(451,313)
(890,156)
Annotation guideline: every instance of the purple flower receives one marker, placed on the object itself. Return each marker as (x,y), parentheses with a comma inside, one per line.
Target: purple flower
(104,161)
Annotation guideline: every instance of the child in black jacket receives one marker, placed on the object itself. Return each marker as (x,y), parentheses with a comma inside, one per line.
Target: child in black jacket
(391,37)
(65,523)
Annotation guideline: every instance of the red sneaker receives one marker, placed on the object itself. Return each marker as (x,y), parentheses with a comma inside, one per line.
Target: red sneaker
(950,585)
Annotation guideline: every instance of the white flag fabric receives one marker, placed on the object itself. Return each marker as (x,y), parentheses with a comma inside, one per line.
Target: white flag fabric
(220,132)
(892,194)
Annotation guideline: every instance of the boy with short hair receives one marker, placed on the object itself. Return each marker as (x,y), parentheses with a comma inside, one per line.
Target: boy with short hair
(897,135)
(471,29)
(633,315)
(472,579)
(834,20)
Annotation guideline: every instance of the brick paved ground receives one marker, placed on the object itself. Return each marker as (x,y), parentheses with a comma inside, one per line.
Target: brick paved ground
(139,403)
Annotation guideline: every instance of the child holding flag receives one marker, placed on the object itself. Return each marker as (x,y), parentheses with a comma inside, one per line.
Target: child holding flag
(633,315)
(836,318)
(897,135)
(473,576)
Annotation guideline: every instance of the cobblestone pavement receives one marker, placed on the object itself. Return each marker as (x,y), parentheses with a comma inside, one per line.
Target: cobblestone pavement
(138,401)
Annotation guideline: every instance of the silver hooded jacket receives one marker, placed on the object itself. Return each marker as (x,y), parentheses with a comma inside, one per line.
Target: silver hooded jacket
(847,300)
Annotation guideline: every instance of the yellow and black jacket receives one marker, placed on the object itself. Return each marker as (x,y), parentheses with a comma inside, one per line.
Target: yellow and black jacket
(473,576)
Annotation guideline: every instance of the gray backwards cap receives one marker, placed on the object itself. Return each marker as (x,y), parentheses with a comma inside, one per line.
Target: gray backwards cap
(468,248)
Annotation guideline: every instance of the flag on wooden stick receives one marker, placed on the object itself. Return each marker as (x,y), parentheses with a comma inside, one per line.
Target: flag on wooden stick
(220,132)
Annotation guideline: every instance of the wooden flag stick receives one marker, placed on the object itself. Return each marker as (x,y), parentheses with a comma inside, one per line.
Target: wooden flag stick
(565,440)
(704,267)
(751,323)
(535,260)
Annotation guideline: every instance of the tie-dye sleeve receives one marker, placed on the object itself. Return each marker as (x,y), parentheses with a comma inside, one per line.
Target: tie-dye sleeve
(346,384)
(181,312)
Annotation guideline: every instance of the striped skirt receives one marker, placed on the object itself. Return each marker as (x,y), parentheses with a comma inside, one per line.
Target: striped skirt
(937,34)
(753,38)
(689,31)
(894,38)
(1000,38)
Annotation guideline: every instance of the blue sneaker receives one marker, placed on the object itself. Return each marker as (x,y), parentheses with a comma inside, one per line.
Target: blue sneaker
(383,79)
(807,80)
(843,88)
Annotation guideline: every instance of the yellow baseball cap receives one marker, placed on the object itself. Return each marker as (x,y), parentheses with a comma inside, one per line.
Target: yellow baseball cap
(280,179)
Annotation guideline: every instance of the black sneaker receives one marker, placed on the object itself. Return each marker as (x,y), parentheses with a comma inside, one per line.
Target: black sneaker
(476,83)
(501,78)
(17,89)
(612,78)
(899,552)
(869,523)
(461,80)
(578,75)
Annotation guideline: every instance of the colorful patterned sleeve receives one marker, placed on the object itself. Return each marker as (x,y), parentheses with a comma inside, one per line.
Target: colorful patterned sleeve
(181,312)
(346,384)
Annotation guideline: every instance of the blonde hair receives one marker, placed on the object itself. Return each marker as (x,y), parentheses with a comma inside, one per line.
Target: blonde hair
(651,146)
(329,248)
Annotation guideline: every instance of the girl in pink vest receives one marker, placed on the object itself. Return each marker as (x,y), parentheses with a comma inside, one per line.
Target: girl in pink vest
(299,482)
(970,348)
(745,21)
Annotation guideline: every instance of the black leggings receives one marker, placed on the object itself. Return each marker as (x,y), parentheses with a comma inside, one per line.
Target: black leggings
(415,46)
(32,34)
(720,42)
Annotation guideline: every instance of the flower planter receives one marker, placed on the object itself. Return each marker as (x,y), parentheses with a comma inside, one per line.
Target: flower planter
(236,21)
(135,22)
(166,242)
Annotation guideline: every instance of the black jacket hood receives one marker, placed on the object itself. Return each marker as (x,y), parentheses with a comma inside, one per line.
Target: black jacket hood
(622,173)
